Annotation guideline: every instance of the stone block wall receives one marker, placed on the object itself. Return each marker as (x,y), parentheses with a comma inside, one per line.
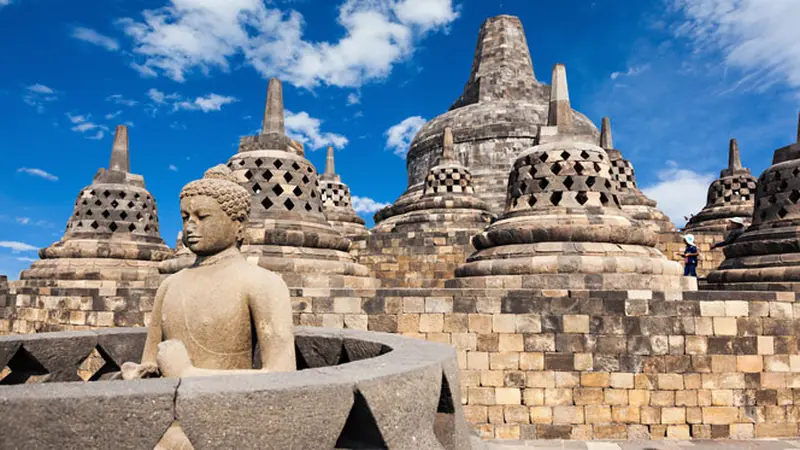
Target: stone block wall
(671,244)
(414,259)
(600,365)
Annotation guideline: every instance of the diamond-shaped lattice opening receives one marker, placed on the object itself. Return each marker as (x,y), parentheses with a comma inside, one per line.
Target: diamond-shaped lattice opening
(147,228)
(278,190)
(97,366)
(543,157)
(543,183)
(777,175)
(295,166)
(241,162)
(305,179)
(309,169)
(256,188)
(783,185)
(297,191)
(523,186)
(608,184)
(794,196)
(597,168)
(565,155)
(123,215)
(532,200)
(139,217)
(289,204)
(114,204)
(94,225)
(267,175)
(578,168)
(556,168)
(136,196)
(308,207)
(771,199)
(288,177)
(568,182)
(782,212)
(584,154)
(106,193)
(122,194)
(113,226)
(248,174)
(795,172)
(131,228)
(277,163)
(604,198)
(258,162)
(131,204)
(555,199)
(23,368)
(266,203)
(89,213)
(582,198)
(313,194)
(590,181)
(98,202)
(85,202)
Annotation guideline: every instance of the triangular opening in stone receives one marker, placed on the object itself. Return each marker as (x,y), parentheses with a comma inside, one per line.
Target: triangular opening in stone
(343,357)
(444,426)
(174,439)
(299,360)
(96,365)
(360,430)
(23,368)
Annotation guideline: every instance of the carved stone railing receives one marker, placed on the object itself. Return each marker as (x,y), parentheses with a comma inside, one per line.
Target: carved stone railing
(353,389)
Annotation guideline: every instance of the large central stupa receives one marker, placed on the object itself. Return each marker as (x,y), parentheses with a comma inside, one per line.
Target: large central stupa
(496,117)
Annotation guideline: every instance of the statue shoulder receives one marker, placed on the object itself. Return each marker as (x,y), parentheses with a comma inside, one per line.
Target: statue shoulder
(261,278)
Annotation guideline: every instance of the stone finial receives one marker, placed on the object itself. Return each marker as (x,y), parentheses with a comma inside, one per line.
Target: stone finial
(273,112)
(330,168)
(605,134)
(734,160)
(120,157)
(448,153)
(560,113)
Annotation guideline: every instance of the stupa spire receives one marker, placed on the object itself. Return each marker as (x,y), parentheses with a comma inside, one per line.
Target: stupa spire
(120,157)
(605,134)
(560,113)
(330,168)
(273,112)
(448,154)
(734,160)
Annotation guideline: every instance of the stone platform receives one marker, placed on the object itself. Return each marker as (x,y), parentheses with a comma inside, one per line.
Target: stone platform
(771,444)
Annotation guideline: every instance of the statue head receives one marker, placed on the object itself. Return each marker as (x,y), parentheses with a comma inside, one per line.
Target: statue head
(214,210)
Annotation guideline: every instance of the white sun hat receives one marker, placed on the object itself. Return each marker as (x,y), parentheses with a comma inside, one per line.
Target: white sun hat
(738,220)
(689,238)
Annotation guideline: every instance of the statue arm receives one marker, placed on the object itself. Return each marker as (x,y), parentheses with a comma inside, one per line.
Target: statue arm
(271,310)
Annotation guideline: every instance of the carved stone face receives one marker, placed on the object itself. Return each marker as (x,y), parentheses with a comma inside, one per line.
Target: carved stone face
(207,230)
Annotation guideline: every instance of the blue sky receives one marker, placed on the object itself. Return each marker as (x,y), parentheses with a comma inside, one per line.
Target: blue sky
(677,77)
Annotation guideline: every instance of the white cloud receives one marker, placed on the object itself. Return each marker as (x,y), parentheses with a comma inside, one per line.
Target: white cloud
(679,192)
(353,99)
(177,126)
(24,259)
(37,95)
(211,102)
(97,136)
(4,3)
(40,89)
(17,247)
(119,99)
(757,37)
(306,129)
(364,205)
(23,220)
(93,37)
(110,116)
(631,72)
(173,167)
(204,35)
(399,136)
(83,124)
(38,173)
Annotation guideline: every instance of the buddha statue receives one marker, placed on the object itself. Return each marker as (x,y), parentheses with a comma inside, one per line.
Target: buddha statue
(205,316)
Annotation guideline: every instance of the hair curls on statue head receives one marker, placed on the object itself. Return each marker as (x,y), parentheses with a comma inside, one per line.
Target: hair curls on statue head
(219,183)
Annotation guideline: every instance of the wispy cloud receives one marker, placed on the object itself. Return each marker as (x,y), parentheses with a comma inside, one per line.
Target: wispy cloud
(631,72)
(37,173)
(399,136)
(202,36)
(208,103)
(366,205)
(37,95)
(306,129)
(83,124)
(173,167)
(679,192)
(17,247)
(110,116)
(93,37)
(119,99)
(353,99)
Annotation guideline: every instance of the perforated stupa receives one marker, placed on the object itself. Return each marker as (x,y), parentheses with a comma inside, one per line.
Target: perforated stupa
(337,202)
(732,195)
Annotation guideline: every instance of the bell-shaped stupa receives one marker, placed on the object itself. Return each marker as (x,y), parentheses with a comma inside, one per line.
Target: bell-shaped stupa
(563,226)
(425,240)
(732,195)
(767,255)
(113,232)
(288,231)
(631,199)
(496,118)
(337,203)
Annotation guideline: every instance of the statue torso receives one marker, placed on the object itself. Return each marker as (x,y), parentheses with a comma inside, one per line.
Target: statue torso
(206,307)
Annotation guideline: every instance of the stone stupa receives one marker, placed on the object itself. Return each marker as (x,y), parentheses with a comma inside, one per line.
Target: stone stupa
(563,226)
(631,199)
(495,119)
(730,196)
(337,202)
(288,231)
(767,255)
(113,232)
